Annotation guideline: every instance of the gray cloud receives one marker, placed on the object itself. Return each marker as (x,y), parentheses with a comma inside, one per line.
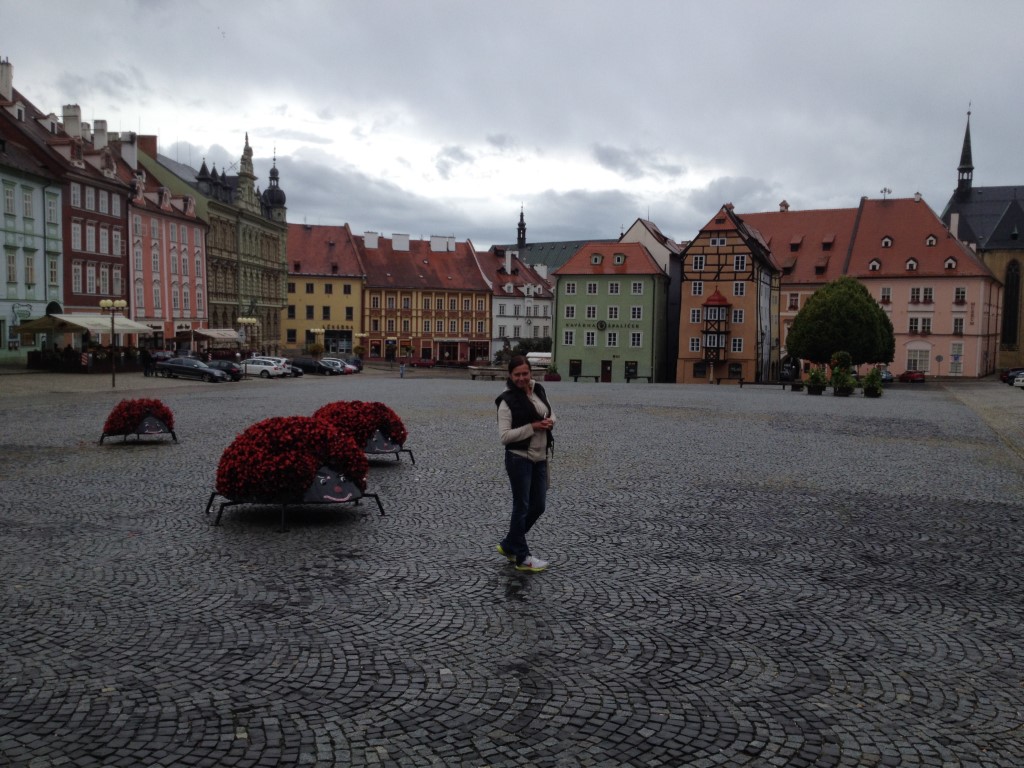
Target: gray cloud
(451,157)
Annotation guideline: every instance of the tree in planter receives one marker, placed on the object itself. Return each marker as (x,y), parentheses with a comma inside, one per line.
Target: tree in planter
(552,374)
(842,315)
(842,381)
(816,381)
(873,383)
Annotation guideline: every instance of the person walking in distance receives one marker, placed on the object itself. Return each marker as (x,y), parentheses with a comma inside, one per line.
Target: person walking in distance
(525,421)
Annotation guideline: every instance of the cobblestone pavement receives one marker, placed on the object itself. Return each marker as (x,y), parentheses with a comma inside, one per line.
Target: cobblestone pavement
(741,577)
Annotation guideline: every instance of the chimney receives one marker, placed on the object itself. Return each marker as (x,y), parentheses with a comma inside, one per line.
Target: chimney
(86,132)
(130,149)
(99,140)
(508,262)
(917,197)
(954,224)
(370,239)
(399,242)
(73,120)
(147,145)
(438,244)
(783,206)
(6,80)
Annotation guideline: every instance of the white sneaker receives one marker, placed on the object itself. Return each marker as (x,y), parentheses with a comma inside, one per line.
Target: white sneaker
(532,565)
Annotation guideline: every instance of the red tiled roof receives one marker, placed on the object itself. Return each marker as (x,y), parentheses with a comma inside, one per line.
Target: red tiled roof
(804,242)
(637,261)
(492,264)
(420,267)
(323,250)
(909,223)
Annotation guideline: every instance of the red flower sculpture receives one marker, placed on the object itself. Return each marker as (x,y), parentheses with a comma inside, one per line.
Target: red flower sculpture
(361,420)
(128,414)
(277,459)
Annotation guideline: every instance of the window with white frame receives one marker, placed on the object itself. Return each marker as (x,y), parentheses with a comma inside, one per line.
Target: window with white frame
(12,267)
(140,298)
(589,339)
(737,344)
(104,201)
(90,199)
(76,235)
(636,339)
(885,295)
(115,205)
(915,295)
(138,257)
(636,313)
(698,262)
(739,262)
(453,327)
(9,208)
(465,305)
(637,288)
(115,242)
(199,271)
(116,274)
(739,288)
(914,325)
(794,301)
(26,205)
(591,312)
(51,209)
(184,267)
(918,360)
(695,343)
(426,327)
(516,309)
(697,288)
(612,339)
(465,327)
(927,295)
(737,315)
(956,358)
(157,305)
(105,279)
(53,270)
(695,315)
(185,304)
(613,288)
(479,305)
(958,326)
(104,240)
(76,277)
(592,289)
(90,237)
(714,340)
(175,300)
(570,289)
(76,195)
(90,278)
(30,268)
(480,326)
(154,229)
(718,241)
(154,260)
(926,325)
(199,299)
(959,295)
(568,338)
(613,312)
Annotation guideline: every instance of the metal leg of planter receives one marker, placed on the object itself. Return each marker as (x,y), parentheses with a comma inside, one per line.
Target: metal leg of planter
(405,450)
(209,504)
(376,498)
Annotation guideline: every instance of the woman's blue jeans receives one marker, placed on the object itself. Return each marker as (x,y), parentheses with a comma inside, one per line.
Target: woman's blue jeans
(529,481)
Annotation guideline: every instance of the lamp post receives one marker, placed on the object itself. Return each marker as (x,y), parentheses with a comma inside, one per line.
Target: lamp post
(113,307)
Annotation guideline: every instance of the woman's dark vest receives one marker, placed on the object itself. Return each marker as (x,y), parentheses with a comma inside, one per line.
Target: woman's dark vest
(523,412)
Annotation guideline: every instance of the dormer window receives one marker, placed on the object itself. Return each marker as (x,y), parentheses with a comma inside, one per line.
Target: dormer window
(911,265)
(595,258)
(875,265)
(931,241)
(620,258)
(794,244)
(887,242)
(950,263)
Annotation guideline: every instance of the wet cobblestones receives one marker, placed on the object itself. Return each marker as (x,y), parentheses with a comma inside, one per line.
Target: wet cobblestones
(741,577)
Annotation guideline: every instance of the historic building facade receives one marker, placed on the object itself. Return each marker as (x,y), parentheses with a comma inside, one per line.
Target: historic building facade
(522,302)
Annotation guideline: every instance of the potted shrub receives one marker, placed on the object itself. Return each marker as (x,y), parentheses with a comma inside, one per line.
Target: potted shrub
(797,385)
(873,383)
(816,381)
(842,383)
(552,373)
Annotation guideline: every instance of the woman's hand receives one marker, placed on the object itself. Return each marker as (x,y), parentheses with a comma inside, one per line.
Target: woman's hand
(543,424)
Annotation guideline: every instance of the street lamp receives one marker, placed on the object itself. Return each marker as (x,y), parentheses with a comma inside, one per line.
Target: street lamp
(113,307)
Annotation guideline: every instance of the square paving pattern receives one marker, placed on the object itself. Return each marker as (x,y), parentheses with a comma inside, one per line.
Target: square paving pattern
(740,577)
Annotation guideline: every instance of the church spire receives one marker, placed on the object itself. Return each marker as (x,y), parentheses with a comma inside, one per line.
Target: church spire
(965,172)
(521,230)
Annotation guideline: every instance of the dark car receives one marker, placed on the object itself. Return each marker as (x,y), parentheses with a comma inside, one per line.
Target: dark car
(189,368)
(423,362)
(312,365)
(356,361)
(1010,374)
(230,367)
(911,376)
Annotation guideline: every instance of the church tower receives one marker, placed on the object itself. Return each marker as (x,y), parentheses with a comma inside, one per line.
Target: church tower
(521,230)
(965,172)
(274,197)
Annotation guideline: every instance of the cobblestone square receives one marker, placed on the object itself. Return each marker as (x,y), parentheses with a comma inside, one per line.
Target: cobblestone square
(741,577)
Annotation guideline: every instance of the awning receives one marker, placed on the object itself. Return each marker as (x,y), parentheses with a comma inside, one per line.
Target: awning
(217,334)
(94,323)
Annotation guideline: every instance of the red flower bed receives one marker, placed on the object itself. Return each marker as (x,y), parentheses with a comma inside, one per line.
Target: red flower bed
(361,420)
(128,414)
(277,459)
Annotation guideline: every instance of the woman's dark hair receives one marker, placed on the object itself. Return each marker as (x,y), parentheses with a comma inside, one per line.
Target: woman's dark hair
(516,361)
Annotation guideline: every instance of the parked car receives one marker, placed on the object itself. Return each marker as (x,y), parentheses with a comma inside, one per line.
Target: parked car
(312,365)
(356,361)
(1010,374)
(423,362)
(189,368)
(265,369)
(230,367)
(284,362)
(912,376)
(1018,380)
(342,367)
(887,377)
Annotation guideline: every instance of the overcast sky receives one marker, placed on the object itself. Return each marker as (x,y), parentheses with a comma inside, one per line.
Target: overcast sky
(443,117)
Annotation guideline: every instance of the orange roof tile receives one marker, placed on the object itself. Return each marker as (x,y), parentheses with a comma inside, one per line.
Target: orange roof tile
(420,267)
(637,261)
(323,250)
(809,246)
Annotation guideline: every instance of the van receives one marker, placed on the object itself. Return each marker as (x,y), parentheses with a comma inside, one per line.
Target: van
(539,359)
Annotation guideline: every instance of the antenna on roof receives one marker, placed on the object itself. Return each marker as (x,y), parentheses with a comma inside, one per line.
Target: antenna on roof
(885,191)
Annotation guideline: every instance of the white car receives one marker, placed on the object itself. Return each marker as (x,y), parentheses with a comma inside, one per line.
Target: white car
(265,369)
(284,362)
(1018,380)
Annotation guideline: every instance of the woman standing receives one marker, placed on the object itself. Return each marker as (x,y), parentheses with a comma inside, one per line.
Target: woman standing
(525,420)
